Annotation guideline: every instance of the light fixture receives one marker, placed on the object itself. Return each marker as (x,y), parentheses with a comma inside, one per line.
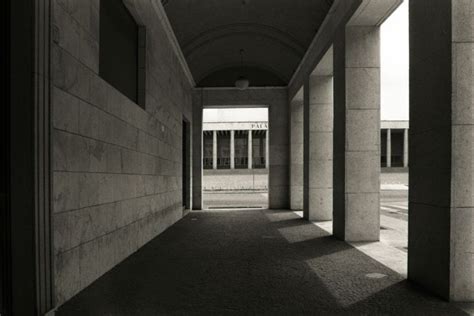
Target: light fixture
(242,82)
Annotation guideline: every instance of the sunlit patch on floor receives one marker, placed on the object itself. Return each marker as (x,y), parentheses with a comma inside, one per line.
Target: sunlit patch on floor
(349,282)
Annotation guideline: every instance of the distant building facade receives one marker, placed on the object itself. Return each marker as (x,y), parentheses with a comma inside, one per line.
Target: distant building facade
(235,145)
(244,145)
(394,144)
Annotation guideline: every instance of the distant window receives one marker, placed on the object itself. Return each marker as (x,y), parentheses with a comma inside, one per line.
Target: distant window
(119,51)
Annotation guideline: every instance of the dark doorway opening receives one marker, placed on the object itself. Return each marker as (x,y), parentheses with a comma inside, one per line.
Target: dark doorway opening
(186,165)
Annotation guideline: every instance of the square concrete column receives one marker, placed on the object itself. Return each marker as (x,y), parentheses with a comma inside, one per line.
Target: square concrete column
(389,148)
(441,197)
(232,149)
(267,149)
(296,153)
(356,192)
(214,150)
(405,148)
(318,147)
(250,153)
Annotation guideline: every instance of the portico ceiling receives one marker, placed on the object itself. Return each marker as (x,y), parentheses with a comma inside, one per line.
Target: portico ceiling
(274,35)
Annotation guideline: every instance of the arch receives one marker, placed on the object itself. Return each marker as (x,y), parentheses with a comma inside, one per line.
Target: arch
(259,67)
(284,39)
(225,77)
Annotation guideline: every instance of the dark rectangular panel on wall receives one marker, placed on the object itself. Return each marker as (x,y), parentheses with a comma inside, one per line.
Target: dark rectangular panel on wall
(119,49)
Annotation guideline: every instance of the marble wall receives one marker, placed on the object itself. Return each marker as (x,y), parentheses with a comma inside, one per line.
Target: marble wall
(116,167)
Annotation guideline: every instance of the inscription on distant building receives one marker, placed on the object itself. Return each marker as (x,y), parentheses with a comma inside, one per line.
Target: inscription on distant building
(259,126)
(236,126)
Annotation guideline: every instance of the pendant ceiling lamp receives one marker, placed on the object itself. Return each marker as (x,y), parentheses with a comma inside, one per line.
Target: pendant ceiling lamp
(242,82)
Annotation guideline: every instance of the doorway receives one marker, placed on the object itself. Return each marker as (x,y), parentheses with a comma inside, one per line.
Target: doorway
(235,158)
(186,165)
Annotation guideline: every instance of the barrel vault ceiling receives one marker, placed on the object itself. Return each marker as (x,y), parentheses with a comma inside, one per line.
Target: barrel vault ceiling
(273,34)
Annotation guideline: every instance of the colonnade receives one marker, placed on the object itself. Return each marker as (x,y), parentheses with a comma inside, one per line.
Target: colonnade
(232,149)
(335,169)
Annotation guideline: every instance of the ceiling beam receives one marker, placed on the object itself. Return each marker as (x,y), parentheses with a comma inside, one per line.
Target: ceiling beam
(374,12)
(339,14)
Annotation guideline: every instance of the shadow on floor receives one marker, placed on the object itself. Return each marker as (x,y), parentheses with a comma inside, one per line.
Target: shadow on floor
(251,262)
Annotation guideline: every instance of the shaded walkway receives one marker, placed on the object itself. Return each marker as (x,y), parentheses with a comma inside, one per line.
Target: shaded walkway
(252,262)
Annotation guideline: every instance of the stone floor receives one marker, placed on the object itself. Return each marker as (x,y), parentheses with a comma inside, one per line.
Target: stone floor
(252,262)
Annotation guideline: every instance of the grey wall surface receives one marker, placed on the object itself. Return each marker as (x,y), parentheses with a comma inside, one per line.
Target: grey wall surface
(117,167)
(276,99)
(430,144)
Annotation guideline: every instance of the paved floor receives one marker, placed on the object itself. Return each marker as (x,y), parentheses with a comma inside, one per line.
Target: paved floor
(394,220)
(251,262)
(394,203)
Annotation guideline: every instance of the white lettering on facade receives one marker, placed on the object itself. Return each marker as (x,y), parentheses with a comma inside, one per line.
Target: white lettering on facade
(259,126)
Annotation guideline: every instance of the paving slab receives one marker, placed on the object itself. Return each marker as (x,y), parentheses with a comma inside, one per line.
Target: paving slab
(252,262)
